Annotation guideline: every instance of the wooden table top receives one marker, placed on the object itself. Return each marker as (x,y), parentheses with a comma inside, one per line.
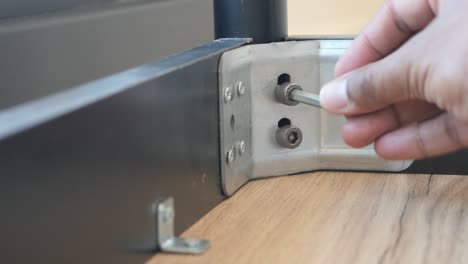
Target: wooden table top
(337,217)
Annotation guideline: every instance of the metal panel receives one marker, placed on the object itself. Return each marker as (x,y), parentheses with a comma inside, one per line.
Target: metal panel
(262,20)
(40,55)
(454,163)
(79,170)
(309,64)
(261,67)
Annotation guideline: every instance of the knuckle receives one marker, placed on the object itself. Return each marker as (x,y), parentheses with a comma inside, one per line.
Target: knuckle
(449,91)
(400,23)
(418,77)
(421,142)
(452,130)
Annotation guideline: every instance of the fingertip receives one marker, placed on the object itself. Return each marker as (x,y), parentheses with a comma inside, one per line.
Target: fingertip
(384,148)
(349,62)
(357,55)
(339,69)
(354,136)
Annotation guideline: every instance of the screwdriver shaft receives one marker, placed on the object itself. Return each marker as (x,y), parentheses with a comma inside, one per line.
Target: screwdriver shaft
(305,97)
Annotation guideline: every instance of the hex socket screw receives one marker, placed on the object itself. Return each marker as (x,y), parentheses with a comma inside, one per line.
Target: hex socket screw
(292,94)
(289,136)
(283,93)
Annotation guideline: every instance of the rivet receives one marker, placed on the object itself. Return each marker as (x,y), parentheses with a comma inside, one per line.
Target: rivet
(230,155)
(241,147)
(241,88)
(228,95)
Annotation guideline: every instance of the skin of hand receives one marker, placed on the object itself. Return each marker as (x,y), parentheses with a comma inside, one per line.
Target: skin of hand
(403,84)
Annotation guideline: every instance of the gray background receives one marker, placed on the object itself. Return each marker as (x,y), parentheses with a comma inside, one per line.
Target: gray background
(18,8)
(50,45)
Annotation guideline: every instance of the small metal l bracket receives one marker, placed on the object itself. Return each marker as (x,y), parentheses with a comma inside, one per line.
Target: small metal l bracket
(167,242)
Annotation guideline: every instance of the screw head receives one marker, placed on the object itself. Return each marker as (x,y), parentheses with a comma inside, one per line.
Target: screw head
(241,88)
(241,147)
(293,137)
(289,137)
(230,155)
(283,91)
(228,94)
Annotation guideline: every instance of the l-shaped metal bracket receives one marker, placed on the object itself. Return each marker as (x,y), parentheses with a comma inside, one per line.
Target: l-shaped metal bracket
(250,121)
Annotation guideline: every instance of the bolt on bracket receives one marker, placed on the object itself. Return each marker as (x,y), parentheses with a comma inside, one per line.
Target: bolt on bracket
(167,242)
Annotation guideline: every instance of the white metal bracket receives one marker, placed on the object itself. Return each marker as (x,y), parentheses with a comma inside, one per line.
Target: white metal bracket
(164,213)
(261,68)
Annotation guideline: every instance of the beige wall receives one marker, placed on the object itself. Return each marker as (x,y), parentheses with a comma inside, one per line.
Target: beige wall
(330,17)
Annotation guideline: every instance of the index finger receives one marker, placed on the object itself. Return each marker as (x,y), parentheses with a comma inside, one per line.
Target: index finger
(395,23)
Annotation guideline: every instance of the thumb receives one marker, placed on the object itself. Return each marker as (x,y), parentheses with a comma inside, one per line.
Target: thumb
(369,88)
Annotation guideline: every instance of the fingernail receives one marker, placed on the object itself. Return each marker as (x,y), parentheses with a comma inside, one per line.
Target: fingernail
(333,96)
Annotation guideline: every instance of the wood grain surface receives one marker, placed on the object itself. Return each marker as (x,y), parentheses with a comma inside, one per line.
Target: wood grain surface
(334,217)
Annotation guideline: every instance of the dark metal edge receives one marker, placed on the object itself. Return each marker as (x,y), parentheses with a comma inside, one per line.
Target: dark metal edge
(81,169)
(263,21)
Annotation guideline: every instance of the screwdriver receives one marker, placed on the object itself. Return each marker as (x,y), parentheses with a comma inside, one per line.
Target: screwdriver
(292,94)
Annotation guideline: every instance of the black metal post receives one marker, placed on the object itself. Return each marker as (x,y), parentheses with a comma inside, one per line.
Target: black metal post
(262,20)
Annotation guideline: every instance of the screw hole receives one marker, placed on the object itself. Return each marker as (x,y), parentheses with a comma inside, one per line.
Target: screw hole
(233,122)
(293,138)
(284,78)
(284,122)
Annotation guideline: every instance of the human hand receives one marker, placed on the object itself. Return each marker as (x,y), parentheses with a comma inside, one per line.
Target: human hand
(403,84)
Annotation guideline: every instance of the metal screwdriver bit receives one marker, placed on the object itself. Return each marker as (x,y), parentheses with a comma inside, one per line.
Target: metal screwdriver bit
(292,94)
